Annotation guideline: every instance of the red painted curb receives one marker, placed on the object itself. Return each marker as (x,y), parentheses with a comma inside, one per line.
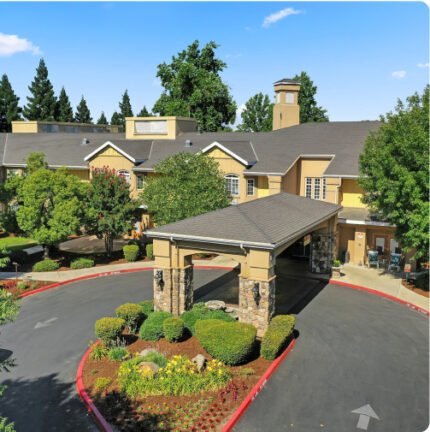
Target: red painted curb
(257,389)
(99,419)
(361,288)
(111,273)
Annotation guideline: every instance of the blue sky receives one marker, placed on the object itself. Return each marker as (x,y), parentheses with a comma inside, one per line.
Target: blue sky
(361,55)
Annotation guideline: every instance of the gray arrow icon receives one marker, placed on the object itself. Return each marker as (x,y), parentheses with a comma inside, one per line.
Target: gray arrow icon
(45,323)
(366,413)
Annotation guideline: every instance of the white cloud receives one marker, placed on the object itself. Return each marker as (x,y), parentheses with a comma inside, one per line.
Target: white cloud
(399,74)
(233,55)
(423,65)
(240,110)
(275,17)
(12,44)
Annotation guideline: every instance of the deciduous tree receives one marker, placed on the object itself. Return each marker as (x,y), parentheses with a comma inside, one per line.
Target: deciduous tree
(9,108)
(394,172)
(42,102)
(83,114)
(187,185)
(193,88)
(257,115)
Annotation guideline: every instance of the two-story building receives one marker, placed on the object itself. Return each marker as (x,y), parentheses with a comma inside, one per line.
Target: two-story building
(314,160)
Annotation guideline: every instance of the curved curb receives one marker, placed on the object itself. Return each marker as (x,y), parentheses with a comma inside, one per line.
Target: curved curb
(110,273)
(370,290)
(237,415)
(88,402)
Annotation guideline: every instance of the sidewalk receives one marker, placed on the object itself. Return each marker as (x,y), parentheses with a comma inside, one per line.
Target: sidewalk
(61,276)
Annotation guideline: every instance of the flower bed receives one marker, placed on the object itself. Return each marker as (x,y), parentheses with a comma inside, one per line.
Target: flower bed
(18,287)
(208,410)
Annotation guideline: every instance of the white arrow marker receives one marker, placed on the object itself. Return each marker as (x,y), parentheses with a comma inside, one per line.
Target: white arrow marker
(45,323)
(366,412)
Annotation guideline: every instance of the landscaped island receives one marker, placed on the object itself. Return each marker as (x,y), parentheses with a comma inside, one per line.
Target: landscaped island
(156,372)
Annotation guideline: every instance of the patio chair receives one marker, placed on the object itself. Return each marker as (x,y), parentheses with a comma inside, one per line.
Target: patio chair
(373,259)
(394,261)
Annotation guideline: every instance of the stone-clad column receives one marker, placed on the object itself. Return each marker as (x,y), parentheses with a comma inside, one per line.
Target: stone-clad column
(259,315)
(323,248)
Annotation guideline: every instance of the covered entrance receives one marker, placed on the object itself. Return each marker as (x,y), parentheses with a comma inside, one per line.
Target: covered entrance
(253,234)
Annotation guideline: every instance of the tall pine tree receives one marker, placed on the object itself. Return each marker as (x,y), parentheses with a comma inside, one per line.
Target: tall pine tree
(9,109)
(125,107)
(102,119)
(144,112)
(116,119)
(64,111)
(42,102)
(83,114)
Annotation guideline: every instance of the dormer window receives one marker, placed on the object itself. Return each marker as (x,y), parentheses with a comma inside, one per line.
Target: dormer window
(125,175)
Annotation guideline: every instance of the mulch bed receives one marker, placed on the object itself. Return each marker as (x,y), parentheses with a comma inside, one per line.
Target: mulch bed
(208,411)
(11,285)
(412,287)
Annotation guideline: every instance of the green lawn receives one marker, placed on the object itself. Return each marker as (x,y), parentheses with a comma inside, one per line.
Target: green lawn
(17,243)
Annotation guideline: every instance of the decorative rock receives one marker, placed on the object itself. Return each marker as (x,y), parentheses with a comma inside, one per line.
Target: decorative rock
(215,304)
(146,351)
(200,360)
(149,366)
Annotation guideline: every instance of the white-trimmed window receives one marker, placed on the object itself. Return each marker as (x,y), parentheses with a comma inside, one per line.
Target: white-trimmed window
(250,186)
(12,172)
(140,181)
(125,175)
(308,191)
(317,188)
(232,184)
(324,189)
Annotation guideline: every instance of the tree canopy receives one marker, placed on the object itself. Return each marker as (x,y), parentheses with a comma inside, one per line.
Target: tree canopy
(257,115)
(116,119)
(64,111)
(42,102)
(102,119)
(144,112)
(394,172)
(309,110)
(193,88)
(125,107)
(109,207)
(83,114)
(187,185)
(9,108)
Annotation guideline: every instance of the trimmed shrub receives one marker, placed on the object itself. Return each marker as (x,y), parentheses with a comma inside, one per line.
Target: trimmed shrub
(276,336)
(132,314)
(201,312)
(221,315)
(147,307)
(152,328)
(131,252)
(150,251)
(422,281)
(117,353)
(229,342)
(109,329)
(45,265)
(173,329)
(80,263)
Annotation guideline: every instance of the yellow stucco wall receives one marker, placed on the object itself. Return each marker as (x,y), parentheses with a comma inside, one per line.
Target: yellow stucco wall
(311,168)
(84,175)
(351,193)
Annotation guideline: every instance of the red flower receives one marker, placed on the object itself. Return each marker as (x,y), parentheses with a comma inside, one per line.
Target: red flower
(106,176)
(100,215)
(89,191)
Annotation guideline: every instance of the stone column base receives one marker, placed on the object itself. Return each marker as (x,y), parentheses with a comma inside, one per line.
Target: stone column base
(322,252)
(173,289)
(249,312)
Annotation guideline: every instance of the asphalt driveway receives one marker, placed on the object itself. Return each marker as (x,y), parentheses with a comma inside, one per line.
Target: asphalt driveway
(353,349)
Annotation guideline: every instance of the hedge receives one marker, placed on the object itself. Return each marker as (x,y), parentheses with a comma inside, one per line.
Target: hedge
(173,329)
(230,342)
(45,265)
(131,252)
(147,307)
(201,312)
(150,251)
(152,328)
(132,314)
(276,336)
(80,263)
(109,329)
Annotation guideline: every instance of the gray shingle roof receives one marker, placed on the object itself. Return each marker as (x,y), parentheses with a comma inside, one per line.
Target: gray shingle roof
(266,222)
(286,81)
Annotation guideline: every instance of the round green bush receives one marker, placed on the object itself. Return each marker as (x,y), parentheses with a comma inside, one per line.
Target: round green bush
(276,336)
(80,263)
(147,307)
(150,251)
(117,354)
(230,342)
(152,328)
(45,265)
(131,252)
(132,314)
(201,312)
(109,329)
(173,329)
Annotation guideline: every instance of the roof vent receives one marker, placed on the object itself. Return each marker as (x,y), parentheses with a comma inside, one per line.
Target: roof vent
(188,143)
(85,141)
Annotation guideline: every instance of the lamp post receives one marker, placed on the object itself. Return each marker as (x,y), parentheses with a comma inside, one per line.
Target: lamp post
(256,293)
(15,264)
